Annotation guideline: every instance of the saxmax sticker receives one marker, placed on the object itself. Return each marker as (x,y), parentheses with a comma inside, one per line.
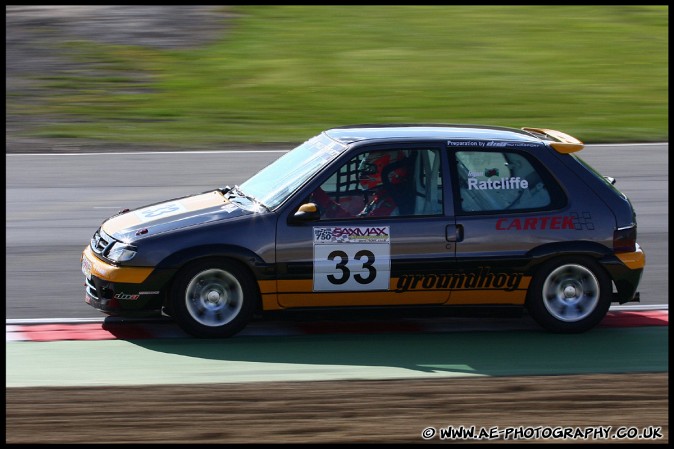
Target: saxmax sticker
(353,234)
(352,258)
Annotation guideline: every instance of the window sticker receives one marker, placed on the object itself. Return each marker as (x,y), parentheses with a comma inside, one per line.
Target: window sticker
(513,183)
(352,258)
(490,144)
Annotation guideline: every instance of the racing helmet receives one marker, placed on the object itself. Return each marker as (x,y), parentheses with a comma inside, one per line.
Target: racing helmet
(371,168)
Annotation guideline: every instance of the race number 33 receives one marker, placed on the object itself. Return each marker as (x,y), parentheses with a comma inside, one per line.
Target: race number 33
(351,258)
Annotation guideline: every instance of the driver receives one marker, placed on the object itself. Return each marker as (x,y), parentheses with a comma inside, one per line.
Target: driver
(378,200)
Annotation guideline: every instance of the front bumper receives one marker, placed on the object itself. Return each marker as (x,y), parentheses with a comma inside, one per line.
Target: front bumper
(122,291)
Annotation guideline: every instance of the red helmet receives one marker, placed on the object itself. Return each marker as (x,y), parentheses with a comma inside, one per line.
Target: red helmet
(371,168)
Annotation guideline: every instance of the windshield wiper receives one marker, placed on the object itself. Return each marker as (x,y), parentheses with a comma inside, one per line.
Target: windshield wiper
(236,190)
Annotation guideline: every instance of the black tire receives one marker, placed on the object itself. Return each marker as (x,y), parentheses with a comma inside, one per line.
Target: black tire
(569,295)
(213,298)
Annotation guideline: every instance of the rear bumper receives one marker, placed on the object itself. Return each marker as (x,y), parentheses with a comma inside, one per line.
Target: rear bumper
(625,298)
(626,270)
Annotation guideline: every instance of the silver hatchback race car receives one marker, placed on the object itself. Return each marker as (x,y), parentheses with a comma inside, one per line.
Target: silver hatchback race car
(381,216)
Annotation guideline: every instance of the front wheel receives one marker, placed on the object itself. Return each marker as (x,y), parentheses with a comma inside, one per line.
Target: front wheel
(213,298)
(569,295)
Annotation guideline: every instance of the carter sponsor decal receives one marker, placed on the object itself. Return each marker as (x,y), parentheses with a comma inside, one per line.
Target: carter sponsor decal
(574,221)
(483,279)
(352,234)
(582,220)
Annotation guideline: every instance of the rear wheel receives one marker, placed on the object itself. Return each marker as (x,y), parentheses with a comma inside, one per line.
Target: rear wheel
(569,295)
(213,298)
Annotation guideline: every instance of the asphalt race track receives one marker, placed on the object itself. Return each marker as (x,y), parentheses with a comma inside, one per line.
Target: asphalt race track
(54,203)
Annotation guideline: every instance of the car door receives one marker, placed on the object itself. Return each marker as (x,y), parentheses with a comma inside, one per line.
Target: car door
(357,253)
(507,203)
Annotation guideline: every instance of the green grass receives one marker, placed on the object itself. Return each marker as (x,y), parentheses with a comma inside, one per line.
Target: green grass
(284,73)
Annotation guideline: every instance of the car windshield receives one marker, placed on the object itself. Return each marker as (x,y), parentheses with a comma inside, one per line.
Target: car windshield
(274,183)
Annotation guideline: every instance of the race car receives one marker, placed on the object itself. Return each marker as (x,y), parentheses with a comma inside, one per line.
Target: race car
(381,217)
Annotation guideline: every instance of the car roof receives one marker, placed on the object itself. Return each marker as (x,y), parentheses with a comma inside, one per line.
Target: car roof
(357,133)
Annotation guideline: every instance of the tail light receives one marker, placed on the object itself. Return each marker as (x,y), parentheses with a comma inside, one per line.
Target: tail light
(625,239)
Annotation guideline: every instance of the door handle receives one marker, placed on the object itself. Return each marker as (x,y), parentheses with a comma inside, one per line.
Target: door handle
(454,233)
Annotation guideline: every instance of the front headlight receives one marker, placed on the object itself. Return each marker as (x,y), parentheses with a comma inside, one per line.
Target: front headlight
(121,252)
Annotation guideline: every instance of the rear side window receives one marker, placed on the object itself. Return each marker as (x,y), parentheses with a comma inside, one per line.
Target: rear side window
(498,181)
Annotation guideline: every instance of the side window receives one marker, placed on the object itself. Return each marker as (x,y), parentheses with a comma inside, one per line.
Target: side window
(383,184)
(499,181)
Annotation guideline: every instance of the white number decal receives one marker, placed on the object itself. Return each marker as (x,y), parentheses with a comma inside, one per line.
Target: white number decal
(351,262)
(160,210)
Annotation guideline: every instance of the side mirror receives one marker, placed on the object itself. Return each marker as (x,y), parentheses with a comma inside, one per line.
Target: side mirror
(307,212)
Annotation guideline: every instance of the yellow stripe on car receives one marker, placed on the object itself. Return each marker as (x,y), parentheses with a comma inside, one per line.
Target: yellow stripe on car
(635,260)
(188,204)
(111,273)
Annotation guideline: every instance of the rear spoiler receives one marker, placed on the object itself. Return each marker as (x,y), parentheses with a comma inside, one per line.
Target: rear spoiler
(563,143)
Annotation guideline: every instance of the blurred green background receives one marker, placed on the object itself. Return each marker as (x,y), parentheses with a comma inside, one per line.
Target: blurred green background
(284,73)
